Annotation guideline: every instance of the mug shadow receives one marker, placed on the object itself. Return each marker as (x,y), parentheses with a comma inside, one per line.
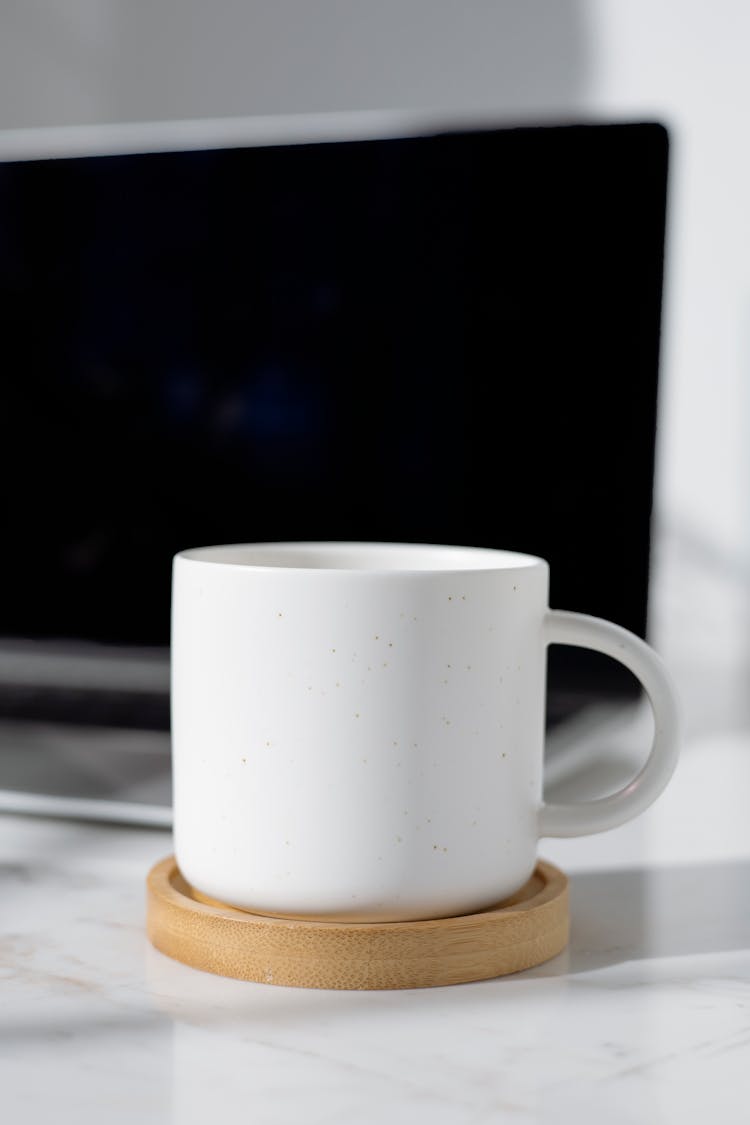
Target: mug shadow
(639,914)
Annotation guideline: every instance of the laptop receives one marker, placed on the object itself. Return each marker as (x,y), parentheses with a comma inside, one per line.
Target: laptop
(368,326)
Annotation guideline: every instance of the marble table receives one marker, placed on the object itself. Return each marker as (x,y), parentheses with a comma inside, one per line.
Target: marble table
(645,1018)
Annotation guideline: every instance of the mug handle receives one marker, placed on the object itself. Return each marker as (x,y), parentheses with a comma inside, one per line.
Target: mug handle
(587,817)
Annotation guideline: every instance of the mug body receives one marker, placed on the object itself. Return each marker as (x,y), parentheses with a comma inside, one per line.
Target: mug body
(357,728)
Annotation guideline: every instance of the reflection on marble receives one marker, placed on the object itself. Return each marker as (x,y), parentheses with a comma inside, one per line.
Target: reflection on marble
(645,1018)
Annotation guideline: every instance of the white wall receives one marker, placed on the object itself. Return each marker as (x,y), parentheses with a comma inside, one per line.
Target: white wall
(681,61)
(688,63)
(115,60)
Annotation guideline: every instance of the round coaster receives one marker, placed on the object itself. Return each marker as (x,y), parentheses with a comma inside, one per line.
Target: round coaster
(525,930)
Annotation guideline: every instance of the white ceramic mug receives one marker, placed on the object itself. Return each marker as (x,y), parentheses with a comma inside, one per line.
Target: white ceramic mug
(358,728)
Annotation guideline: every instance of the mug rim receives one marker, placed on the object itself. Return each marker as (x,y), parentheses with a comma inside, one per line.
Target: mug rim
(381,558)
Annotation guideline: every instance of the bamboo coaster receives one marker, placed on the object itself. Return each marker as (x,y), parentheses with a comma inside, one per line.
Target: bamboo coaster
(523,931)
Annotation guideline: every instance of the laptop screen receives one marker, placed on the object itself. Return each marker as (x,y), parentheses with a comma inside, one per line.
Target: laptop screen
(448,338)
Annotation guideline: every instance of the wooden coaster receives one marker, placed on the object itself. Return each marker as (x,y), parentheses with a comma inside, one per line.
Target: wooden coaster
(525,930)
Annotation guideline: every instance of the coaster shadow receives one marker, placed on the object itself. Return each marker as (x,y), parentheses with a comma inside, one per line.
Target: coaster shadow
(640,914)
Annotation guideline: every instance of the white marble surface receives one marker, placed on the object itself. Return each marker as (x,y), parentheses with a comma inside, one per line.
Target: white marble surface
(646,1018)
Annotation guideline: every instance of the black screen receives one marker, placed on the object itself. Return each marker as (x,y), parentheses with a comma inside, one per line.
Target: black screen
(450,338)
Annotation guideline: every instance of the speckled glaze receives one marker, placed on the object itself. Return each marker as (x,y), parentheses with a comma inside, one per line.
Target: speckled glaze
(358,728)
